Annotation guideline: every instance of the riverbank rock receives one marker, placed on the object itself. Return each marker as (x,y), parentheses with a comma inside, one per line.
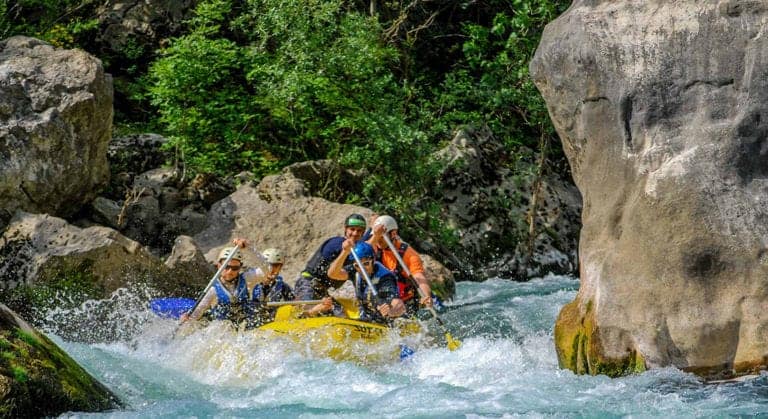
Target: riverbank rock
(38,379)
(39,251)
(663,111)
(55,124)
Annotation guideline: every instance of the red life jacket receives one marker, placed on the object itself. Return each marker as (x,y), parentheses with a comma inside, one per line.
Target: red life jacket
(404,285)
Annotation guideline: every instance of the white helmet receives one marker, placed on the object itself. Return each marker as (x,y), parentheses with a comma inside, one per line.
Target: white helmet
(225,252)
(274,256)
(388,222)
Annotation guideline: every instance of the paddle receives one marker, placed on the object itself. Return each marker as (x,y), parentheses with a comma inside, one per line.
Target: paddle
(171,307)
(292,303)
(453,344)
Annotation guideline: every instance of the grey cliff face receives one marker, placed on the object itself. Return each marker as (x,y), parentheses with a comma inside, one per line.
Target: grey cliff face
(663,111)
(55,124)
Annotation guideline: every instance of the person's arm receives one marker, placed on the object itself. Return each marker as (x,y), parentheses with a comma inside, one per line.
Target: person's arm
(253,277)
(336,270)
(392,305)
(323,307)
(376,235)
(413,260)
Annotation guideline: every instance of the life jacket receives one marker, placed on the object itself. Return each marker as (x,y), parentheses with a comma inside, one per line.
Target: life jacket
(316,270)
(367,310)
(404,285)
(318,264)
(242,308)
(279,291)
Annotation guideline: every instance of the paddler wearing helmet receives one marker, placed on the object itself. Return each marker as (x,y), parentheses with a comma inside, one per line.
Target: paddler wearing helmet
(313,283)
(385,225)
(380,304)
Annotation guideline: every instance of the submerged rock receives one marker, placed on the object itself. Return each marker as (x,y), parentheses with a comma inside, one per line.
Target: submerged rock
(38,379)
(662,108)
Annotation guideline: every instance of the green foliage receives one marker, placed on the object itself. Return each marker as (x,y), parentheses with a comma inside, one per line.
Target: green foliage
(259,84)
(277,82)
(63,23)
(492,85)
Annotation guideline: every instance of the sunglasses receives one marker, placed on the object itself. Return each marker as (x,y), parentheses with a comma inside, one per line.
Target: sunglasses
(233,267)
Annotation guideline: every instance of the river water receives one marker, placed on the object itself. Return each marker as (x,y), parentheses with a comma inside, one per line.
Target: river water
(505,367)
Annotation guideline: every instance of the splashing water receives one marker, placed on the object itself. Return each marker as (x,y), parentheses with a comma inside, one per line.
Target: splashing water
(505,367)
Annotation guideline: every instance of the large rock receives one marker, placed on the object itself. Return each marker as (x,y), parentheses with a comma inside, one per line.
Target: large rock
(140,24)
(663,110)
(38,379)
(55,124)
(39,249)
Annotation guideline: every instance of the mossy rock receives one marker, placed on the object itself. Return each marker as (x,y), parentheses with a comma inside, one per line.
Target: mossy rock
(39,379)
(578,347)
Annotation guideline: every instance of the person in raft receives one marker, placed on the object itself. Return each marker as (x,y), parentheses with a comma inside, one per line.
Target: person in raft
(386,225)
(386,304)
(238,294)
(313,283)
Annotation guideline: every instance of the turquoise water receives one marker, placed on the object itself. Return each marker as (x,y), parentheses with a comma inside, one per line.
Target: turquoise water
(505,367)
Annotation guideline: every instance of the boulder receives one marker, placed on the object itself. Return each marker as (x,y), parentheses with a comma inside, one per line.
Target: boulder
(662,108)
(142,24)
(38,379)
(40,250)
(55,124)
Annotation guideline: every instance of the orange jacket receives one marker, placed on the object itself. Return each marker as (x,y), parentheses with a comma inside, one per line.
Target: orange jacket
(411,258)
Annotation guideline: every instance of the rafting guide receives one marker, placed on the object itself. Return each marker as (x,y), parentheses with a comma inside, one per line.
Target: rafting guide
(314,283)
(386,225)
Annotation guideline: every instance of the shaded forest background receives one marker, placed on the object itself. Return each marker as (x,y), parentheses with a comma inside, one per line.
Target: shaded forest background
(379,86)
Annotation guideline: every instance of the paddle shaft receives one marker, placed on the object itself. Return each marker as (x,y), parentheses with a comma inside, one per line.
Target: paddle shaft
(292,303)
(365,275)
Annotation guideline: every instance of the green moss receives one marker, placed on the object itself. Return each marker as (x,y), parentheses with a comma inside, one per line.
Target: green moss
(8,355)
(20,374)
(27,337)
(64,284)
(4,344)
(579,348)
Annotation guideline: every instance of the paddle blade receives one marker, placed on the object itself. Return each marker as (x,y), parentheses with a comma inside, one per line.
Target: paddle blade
(453,344)
(171,307)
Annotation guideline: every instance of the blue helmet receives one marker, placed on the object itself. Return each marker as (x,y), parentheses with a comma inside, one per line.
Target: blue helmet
(363,250)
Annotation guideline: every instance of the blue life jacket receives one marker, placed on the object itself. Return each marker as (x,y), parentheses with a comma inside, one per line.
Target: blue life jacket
(385,283)
(226,309)
(279,291)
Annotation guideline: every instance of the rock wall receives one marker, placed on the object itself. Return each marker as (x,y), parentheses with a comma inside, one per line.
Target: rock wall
(663,111)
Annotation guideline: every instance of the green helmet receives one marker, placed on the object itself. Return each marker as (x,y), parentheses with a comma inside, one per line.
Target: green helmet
(355,220)
(274,256)
(388,222)
(225,252)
